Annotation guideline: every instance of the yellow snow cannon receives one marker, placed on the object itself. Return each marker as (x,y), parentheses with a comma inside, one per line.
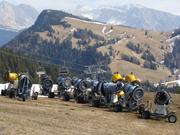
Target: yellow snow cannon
(131,78)
(116,77)
(11,77)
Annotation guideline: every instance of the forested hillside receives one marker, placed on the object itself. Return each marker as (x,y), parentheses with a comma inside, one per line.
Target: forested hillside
(10,61)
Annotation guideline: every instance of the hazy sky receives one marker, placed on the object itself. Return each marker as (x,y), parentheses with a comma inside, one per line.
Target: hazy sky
(172,6)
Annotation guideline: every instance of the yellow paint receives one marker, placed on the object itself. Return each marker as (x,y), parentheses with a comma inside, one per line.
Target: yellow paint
(116,77)
(130,78)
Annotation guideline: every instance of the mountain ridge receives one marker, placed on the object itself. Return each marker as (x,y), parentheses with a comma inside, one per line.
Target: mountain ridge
(16,16)
(134,16)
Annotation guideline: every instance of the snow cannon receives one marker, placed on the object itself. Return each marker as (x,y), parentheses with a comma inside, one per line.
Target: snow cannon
(66,89)
(64,82)
(46,84)
(136,93)
(24,87)
(83,89)
(129,98)
(162,98)
(102,92)
(20,86)
(162,101)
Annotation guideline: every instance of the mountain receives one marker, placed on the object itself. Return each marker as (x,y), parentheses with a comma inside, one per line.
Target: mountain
(172,58)
(16,17)
(131,15)
(6,36)
(88,47)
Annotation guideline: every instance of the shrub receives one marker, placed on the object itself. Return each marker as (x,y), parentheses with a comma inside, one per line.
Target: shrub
(130,59)
(135,48)
(148,56)
(86,34)
(150,65)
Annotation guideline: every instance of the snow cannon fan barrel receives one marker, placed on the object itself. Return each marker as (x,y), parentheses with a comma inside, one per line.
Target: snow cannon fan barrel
(106,88)
(110,88)
(162,98)
(136,92)
(80,84)
(46,82)
(87,83)
(11,77)
(24,82)
(64,82)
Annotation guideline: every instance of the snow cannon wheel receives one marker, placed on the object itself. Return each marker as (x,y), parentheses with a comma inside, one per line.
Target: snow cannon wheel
(12,93)
(35,96)
(138,93)
(95,103)
(51,95)
(66,97)
(145,114)
(117,108)
(172,118)
(80,100)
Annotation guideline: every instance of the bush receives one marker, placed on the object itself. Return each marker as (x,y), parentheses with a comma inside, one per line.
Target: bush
(130,59)
(148,56)
(86,34)
(150,65)
(135,48)
(82,42)
(148,86)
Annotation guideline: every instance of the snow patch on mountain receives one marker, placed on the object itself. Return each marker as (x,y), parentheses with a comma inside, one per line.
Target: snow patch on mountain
(136,16)
(92,22)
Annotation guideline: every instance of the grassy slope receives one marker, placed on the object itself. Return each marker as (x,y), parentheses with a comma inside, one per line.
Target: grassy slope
(154,39)
(46,116)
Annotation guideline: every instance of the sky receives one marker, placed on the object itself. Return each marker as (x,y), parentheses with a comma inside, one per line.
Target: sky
(172,6)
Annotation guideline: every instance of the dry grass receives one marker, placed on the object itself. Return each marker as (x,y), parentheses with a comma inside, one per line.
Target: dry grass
(53,116)
(155,40)
(125,67)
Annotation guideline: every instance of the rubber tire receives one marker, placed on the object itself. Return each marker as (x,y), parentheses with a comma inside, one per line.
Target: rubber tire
(51,95)
(2,93)
(66,97)
(35,96)
(118,108)
(80,100)
(170,118)
(95,103)
(12,94)
(24,98)
(145,114)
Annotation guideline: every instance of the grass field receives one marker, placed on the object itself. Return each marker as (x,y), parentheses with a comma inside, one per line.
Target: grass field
(53,116)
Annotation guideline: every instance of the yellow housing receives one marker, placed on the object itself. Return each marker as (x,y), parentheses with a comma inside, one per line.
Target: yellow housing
(121,93)
(116,77)
(131,78)
(11,77)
